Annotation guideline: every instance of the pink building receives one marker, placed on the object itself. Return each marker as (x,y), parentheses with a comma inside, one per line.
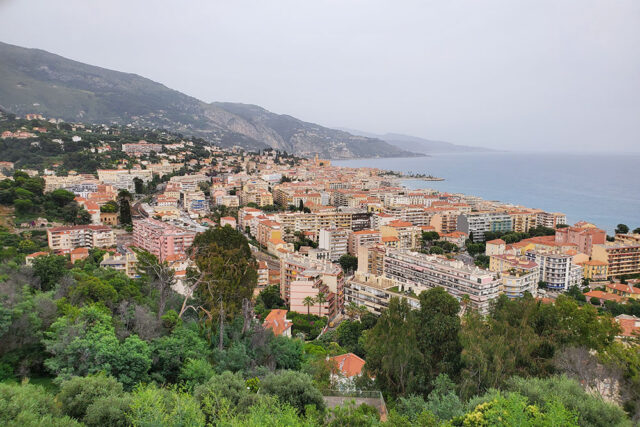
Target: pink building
(302,277)
(160,238)
(584,238)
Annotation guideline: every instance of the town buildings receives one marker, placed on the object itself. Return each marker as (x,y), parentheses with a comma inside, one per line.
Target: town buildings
(67,238)
(160,238)
(475,224)
(416,272)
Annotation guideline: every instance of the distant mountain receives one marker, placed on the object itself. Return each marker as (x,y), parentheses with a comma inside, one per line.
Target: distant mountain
(35,81)
(419,145)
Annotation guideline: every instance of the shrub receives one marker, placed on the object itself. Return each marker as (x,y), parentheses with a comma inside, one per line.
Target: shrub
(294,388)
(78,393)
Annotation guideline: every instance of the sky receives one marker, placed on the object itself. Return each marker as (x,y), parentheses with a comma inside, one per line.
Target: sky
(517,75)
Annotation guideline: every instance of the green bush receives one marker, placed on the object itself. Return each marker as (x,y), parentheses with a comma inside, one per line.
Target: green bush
(294,388)
(78,393)
(108,411)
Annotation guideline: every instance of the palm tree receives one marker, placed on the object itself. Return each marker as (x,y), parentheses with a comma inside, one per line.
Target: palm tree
(308,302)
(321,299)
(351,310)
(465,300)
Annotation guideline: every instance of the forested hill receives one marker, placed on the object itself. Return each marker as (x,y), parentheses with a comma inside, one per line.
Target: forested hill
(36,81)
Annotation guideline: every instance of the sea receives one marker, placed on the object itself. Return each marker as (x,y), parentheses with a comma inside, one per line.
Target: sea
(603,189)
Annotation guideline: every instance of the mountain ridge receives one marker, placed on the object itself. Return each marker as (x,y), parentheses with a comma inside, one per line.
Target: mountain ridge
(418,144)
(37,81)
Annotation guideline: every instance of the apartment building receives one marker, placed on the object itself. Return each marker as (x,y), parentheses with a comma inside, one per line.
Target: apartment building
(371,259)
(504,262)
(194,202)
(80,236)
(335,241)
(550,220)
(189,182)
(160,238)
(301,277)
(408,235)
(374,292)
(125,263)
(595,270)
(557,270)
(621,258)
(523,221)
(516,282)
(444,220)
(123,179)
(475,224)
(267,230)
(583,238)
(363,238)
(141,147)
(417,272)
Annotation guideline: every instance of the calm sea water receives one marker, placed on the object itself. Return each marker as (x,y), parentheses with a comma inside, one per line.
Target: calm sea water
(600,188)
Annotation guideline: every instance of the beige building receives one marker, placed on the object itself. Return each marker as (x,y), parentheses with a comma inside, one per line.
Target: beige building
(80,236)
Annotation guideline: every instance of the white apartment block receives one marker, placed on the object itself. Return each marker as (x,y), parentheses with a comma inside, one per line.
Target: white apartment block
(557,269)
(335,241)
(416,272)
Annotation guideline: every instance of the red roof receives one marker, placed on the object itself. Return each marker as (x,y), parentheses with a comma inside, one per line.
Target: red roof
(630,325)
(349,364)
(277,321)
(497,242)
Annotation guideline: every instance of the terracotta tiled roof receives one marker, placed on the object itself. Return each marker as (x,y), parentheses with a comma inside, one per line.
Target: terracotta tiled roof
(349,364)
(497,242)
(630,325)
(277,321)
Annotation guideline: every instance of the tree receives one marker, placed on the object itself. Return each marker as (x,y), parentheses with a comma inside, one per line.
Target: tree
(294,388)
(321,298)
(636,230)
(228,275)
(443,401)
(171,352)
(348,262)
(437,250)
(124,198)
(154,406)
(622,229)
(78,393)
(392,354)
(270,297)
(301,205)
(592,411)
(159,276)
(430,236)
(513,409)
(438,327)
(49,269)
(30,405)
(308,302)
(195,372)
(287,352)
(595,301)
(109,207)
(62,197)
(139,185)
(84,342)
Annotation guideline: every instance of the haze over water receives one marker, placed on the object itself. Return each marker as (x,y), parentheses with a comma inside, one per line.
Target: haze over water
(599,188)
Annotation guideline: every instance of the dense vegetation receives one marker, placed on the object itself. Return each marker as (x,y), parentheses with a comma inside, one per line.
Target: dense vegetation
(26,195)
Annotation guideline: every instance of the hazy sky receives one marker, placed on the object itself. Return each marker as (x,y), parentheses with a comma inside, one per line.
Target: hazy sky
(508,74)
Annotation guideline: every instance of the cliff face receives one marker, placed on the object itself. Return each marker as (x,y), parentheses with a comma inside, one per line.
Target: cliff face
(35,81)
